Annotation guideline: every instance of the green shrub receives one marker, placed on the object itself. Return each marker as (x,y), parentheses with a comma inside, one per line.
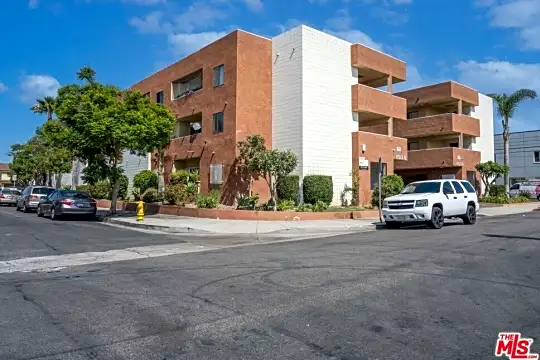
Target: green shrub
(176,195)
(494,199)
(304,208)
(145,179)
(288,188)
(100,190)
(318,188)
(208,201)
(152,195)
(525,193)
(183,177)
(497,190)
(286,205)
(391,185)
(85,188)
(520,199)
(137,195)
(66,187)
(320,206)
(246,202)
(122,191)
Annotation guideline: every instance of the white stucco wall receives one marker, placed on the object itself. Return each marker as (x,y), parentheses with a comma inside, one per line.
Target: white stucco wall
(484,143)
(312,116)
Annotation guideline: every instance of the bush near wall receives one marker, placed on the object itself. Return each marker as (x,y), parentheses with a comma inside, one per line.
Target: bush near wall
(497,191)
(103,189)
(145,179)
(391,185)
(288,188)
(318,188)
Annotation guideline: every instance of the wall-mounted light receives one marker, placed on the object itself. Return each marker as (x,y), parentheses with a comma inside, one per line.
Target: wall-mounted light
(363,147)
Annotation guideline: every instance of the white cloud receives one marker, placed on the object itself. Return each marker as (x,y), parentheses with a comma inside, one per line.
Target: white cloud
(151,23)
(340,21)
(402,2)
(37,86)
(3,87)
(183,44)
(254,5)
(521,15)
(356,37)
(199,14)
(499,76)
(33,4)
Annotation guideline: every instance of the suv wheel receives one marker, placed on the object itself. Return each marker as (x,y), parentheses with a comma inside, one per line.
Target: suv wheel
(538,197)
(437,218)
(470,217)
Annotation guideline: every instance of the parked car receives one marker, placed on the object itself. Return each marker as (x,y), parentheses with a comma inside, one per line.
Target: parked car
(9,196)
(67,202)
(31,196)
(431,202)
(532,188)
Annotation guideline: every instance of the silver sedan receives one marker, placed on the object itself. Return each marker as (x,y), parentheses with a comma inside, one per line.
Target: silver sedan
(9,196)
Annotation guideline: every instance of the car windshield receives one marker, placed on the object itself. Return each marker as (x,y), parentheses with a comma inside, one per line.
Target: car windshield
(74,195)
(42,190)
(11,192)
(423,187)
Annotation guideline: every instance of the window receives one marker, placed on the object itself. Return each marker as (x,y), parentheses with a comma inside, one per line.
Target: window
(42,190)
(147,95)
(536,157)
(218,75)
(458,187)
(468,187)
(159,97)
(217,122)
(454,144)
(373,167)
(187,84)
(447,188)
(412,115)
(515,187)
(412,145)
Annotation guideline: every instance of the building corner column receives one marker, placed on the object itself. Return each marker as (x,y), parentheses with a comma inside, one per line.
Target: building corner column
(390,81)
(460,107)
(460,145)
(390,126)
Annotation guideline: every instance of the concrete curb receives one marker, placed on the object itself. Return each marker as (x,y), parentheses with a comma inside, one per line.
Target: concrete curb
(192,230)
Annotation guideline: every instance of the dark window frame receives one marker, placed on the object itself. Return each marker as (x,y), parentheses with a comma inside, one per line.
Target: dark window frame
(160,96)
(451,187)
(218,122)
(466,185)
(457,187)
(218,75)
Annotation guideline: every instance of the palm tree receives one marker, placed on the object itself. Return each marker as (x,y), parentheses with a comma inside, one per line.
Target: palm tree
(47,105)
(507,105)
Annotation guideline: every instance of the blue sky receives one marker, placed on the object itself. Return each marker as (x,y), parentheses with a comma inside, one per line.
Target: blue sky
(490,45)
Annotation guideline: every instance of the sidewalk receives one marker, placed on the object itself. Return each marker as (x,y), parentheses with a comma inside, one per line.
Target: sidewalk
(495,210)
(179,224)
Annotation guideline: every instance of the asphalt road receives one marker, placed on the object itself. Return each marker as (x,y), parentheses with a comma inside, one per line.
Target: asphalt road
(401,294)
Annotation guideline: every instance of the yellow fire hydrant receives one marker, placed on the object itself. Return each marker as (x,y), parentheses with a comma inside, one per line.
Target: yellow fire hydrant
(140,210)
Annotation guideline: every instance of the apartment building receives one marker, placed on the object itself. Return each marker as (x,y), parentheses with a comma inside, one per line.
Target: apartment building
(219,95)
(6,179)
(329,101)
(524,154)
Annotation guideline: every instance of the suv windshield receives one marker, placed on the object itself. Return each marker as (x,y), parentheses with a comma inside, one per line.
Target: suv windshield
(424,187)
(42,190)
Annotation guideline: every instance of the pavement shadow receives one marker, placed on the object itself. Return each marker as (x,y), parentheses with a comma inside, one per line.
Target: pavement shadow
(382,226)
(511,237)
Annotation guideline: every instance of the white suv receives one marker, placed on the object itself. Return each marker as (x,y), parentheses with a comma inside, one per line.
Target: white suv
(431,202)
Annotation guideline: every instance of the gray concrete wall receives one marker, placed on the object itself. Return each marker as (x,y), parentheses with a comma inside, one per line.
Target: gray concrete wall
(522,148)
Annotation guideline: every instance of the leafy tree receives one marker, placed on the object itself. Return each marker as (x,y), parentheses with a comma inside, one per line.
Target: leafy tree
(105,121)
(390,184)
(145,179)
(255,159)
(249,160)
(489,172)
(507,105)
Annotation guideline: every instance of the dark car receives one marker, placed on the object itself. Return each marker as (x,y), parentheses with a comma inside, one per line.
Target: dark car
(9,196)
(67,202)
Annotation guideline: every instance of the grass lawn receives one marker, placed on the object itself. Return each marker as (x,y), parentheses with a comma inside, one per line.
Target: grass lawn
(344,209)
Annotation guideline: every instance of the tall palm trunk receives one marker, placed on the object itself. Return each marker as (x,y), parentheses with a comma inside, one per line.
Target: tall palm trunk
(506,136)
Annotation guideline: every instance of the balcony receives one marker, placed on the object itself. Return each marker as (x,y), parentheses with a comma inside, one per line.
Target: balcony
(442,124)
(439,158)
(374,67)
(373,103)
(440,94)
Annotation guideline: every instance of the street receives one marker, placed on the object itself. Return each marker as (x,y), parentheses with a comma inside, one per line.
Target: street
(390,294)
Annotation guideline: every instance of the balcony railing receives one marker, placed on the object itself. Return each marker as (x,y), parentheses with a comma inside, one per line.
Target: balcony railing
(370,100)
(439,157)
(441,124)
